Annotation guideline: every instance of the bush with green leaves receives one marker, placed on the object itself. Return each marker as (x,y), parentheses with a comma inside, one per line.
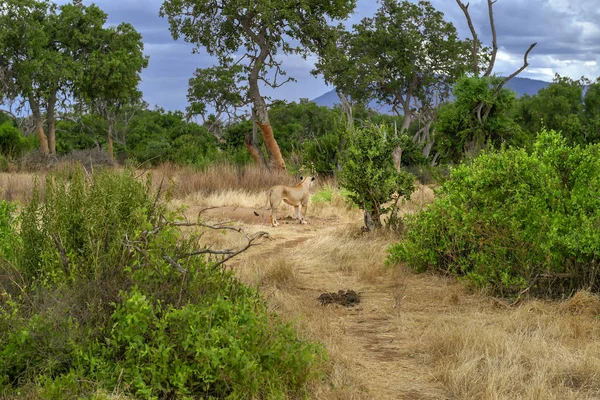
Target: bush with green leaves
(105,291)
(8,237)
(369,174)
(514,221)
(12,141)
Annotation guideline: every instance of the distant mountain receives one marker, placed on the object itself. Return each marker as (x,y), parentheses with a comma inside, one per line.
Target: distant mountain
(520,86)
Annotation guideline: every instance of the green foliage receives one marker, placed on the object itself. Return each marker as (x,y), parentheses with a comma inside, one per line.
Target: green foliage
(156,136)
(511,219)
(8,238)
(397,57)
(328,193)
(88,219)
(81,134)
(12,142)
(102,292)
(562,106)
(462,131)
(368,171)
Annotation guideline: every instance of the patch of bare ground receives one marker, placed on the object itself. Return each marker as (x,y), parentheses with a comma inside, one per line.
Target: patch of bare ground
(412,336)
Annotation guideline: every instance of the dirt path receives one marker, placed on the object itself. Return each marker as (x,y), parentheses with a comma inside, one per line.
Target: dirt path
(377,357)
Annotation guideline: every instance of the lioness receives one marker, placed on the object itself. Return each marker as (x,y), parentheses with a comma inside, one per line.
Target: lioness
(293,195)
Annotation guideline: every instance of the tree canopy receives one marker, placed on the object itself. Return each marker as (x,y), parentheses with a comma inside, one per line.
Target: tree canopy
(52,54)
(251,37)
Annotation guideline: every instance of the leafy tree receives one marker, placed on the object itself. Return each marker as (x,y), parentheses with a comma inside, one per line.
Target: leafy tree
(52,53)
(591,112)
(219,89)
(26,54)
(483,57)
(558,107)
(260,31)
(111,75)
(407,55)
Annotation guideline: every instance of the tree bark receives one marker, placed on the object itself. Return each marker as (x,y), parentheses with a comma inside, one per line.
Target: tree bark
(251,142)
(111,153)
(39,124)
(273,151)
(51,118)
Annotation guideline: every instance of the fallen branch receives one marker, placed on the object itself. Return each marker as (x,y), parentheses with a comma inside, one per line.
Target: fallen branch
(173,260)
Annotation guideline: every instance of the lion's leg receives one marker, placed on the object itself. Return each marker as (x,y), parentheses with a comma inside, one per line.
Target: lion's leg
(298,214)
(304,208)
(274,205)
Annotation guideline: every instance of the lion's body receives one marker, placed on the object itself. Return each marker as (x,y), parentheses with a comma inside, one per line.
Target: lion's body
(296,196)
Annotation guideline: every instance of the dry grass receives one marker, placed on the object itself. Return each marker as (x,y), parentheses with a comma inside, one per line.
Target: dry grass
(532,352)
(218,178)
(18,186)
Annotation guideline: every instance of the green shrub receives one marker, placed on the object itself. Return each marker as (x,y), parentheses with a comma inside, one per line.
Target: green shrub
(322,153)
(8,238)
(513,220)
(12,142)
(368,171)
(104,294)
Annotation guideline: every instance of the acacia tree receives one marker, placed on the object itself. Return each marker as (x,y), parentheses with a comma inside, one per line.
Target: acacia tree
(257,32)
(43,49)
(111,74)
(407,55)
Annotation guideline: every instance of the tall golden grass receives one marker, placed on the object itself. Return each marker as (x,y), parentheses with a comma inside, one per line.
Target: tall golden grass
(221,177)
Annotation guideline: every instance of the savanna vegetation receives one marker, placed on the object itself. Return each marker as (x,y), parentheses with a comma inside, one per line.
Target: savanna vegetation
(111,287)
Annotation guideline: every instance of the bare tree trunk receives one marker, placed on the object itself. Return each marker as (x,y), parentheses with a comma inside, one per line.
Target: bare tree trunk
(251,142)
(51,118)
(273,151)
(111,153)
(346,108)
(39,124)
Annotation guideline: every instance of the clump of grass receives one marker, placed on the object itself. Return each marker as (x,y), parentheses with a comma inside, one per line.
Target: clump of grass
(281,274)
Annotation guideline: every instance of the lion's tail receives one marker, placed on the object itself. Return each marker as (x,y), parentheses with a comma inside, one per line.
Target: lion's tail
(266,204)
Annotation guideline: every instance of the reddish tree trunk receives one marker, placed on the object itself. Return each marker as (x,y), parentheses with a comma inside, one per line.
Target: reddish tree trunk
(110,141)
(275,157)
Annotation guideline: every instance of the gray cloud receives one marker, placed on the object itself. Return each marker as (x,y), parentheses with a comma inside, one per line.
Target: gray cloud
(568,36)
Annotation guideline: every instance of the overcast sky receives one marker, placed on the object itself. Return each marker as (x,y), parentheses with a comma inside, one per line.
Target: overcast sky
(567,33)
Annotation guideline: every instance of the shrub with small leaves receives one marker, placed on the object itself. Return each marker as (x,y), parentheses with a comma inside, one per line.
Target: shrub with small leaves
(368,171)
(512,221)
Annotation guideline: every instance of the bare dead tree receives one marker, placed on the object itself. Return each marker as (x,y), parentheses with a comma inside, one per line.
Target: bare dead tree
(483,107)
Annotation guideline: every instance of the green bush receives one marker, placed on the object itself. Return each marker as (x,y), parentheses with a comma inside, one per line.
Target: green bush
(368,171)
(513,220)
(12,142)
(322,153)
(103,294)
